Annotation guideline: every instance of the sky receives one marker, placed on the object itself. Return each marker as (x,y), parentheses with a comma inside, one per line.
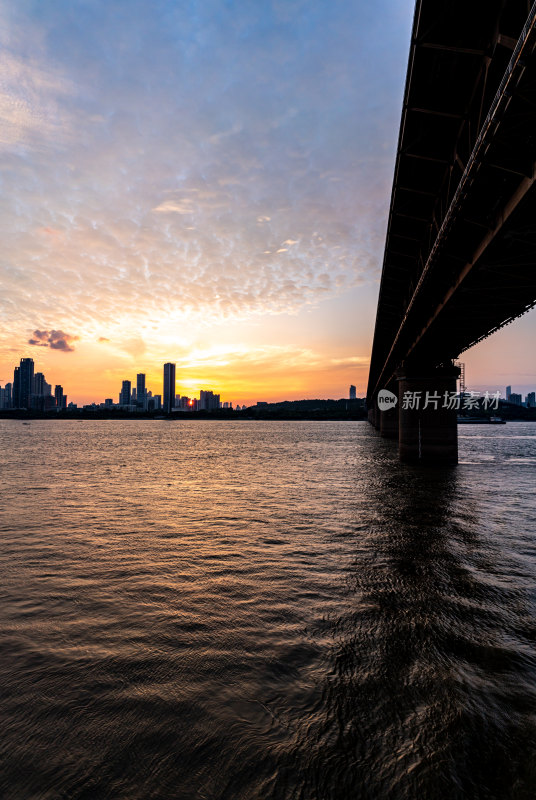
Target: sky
(206,183)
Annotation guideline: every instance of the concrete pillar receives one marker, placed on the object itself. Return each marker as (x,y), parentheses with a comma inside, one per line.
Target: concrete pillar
(373,414)
(389,423)
(376,421)
(427,429)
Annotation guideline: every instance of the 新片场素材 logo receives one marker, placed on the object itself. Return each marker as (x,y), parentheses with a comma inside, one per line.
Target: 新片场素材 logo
(386,400)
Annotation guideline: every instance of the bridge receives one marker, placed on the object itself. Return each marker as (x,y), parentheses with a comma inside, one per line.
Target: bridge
(460,253)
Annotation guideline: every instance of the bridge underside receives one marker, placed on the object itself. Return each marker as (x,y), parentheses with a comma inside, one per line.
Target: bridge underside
(461,242)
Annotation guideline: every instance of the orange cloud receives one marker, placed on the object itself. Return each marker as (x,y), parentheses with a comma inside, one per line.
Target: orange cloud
(57,340)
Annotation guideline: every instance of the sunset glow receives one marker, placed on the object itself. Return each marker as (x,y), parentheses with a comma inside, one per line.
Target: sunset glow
(207,188)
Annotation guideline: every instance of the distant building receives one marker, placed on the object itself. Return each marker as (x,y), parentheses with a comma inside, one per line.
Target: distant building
(39,384)
(169,387)
(515,399)
(108,403)
(124,395)
(208,401)
(353,393)
(5,396)
(530,400)
(26,382)
(15,396)
(141,391)
(61,399)
(38,392)
(508,393)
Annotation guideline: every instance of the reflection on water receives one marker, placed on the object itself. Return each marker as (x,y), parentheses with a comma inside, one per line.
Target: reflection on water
(265,610)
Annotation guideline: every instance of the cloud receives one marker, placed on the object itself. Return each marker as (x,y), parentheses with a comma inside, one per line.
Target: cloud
(177,175)
(103,339)
(183,206)
(56,340)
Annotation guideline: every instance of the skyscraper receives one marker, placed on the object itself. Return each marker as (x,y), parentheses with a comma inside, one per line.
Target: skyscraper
(6,396)
(26,379)
(353,394)
(124,396)
(58,394)
(141,391)
(15,397)
(39,384)
(38,393)
(169,387)
(508,393)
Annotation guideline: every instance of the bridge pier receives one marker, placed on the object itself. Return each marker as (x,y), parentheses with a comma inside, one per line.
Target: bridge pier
(389,424)
(374,416)
(427,427)
(389,419)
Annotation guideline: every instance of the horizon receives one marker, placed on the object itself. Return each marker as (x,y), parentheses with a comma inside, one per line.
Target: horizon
(522,389)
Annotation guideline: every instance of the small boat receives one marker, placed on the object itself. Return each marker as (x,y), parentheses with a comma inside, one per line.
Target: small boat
(497,421)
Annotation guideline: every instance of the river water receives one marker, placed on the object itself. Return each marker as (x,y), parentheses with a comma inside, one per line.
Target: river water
(265,611)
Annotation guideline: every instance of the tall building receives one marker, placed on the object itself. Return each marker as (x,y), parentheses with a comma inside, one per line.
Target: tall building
(124,395)
(530,399)
(38,393)
(141,391)
(516,399)
(208,401)
(169,387)
(3,399)
(26,381)
(61,400)
(5,396)
(15,397)
(353,392)
(508,393)
(39,384)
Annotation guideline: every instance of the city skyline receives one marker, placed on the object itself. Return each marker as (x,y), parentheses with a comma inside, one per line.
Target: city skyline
(28,389)
(217,197)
